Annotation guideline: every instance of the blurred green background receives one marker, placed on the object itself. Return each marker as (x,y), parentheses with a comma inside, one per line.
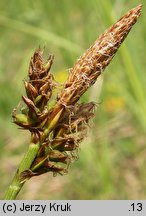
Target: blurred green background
(112,160)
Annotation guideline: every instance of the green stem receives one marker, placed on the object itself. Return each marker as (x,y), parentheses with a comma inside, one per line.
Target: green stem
(25,164)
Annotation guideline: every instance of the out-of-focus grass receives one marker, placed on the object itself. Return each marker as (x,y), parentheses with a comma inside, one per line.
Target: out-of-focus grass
(113,158)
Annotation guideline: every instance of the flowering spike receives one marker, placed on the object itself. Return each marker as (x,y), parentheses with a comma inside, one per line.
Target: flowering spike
(94,61)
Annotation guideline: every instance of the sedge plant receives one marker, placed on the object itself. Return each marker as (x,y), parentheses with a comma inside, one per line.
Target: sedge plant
(57,130)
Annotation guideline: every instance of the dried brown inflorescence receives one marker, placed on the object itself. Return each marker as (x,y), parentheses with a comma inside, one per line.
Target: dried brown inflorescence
(60,129)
